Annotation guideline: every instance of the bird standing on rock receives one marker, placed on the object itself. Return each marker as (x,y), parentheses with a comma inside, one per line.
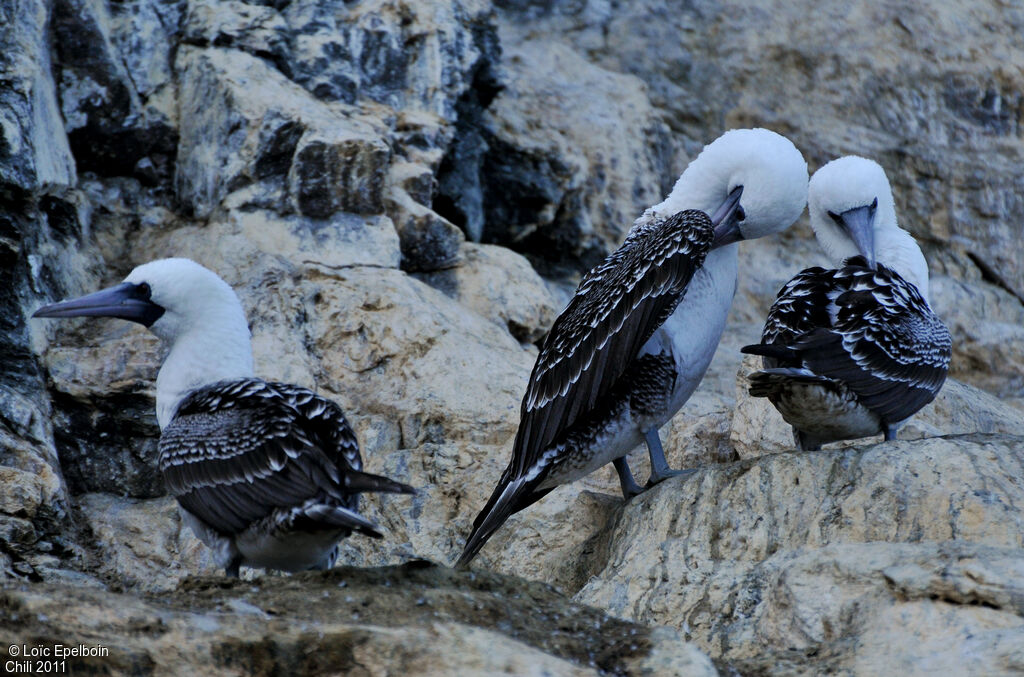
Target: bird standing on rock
(635,340)
(266,474)
(854,351)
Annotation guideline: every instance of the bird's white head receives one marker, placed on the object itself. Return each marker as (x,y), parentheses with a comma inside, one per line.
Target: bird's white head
(751,182)
(190,295)
(853,212)
(188,306)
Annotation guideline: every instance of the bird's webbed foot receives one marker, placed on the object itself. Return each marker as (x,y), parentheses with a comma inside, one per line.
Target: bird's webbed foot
(659,466)
(665,473)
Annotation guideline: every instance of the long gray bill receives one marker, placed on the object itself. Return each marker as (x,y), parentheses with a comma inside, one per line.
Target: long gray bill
(859,223)
(126,301)
(725,221)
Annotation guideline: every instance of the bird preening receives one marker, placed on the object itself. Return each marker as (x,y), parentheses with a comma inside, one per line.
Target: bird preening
(856,350)
(268,475)
(638,335)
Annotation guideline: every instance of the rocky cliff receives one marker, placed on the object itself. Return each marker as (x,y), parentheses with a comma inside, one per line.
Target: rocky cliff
(403,193)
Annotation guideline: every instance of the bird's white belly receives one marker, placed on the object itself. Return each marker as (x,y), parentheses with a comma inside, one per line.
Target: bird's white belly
(692,333)
(264,548)
(286,551)
(824,413)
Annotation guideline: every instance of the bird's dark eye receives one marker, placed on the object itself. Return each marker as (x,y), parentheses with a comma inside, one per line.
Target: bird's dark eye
(144,290)
(739,214)
(836,217)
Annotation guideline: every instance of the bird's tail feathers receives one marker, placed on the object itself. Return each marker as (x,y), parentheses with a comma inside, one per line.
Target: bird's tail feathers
(325,515)
(356,481)
(506,500)
(769,381)
(775,350)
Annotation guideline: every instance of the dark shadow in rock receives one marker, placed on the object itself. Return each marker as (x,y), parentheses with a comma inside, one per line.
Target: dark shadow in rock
(108,443)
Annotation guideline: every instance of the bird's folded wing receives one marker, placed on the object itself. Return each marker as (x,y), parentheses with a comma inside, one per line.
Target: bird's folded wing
(237,451)
(617,307)
(327,422)
(887,345)
(800,307)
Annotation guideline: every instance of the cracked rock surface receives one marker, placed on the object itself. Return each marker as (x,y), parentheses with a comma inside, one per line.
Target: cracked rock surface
(404,195)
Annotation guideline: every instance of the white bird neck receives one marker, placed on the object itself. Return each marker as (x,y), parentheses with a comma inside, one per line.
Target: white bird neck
(201,355)
(897,249)
(693,190)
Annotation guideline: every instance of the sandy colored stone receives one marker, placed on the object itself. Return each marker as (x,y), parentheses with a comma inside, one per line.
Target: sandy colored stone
(429,241)
(987,325)
(23,492)
(145,544)
(500,285)
(32,490)
(415,620)
(413,356)
(751,558)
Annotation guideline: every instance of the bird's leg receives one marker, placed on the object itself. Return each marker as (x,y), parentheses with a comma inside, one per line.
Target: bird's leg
(629,486)
(890,431)
(659,466)
(233,566)
(805,442)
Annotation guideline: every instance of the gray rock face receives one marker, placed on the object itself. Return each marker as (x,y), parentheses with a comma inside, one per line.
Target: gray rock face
(353,102)
(407,56)
(945,126)
(113,62)
(234,134)
(429,241)
(338,164)
(573,154)
(39,224)
(34,152)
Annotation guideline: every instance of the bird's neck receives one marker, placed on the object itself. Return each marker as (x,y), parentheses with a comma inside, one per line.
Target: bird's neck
(695,189)
(898,250)
(200,357)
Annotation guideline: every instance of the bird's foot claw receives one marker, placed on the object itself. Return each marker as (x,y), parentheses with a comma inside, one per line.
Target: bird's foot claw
(630,494)
(661,476)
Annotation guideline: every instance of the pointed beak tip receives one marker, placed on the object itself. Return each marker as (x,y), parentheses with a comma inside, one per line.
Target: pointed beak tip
(116,302)
(727,228)
(48,311)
